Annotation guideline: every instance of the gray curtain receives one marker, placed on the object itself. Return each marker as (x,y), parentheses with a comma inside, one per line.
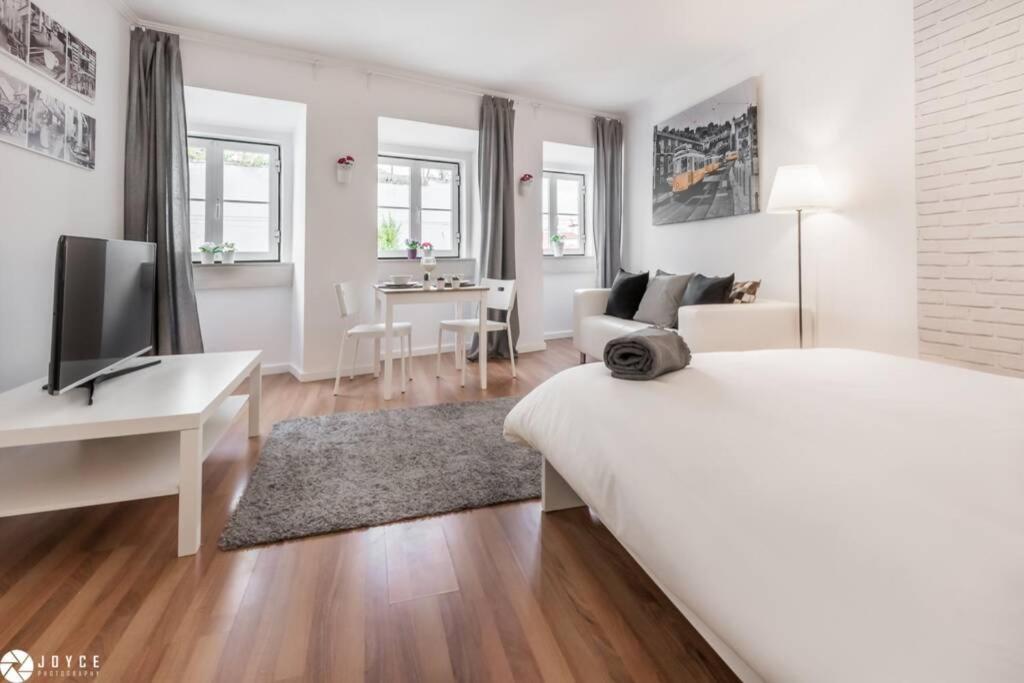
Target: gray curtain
(607,198)
(497,210)
(156,184)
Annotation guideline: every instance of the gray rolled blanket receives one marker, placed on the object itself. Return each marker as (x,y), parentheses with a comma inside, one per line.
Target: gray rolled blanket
(646,354)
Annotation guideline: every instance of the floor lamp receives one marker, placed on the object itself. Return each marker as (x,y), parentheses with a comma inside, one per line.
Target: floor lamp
(798,189)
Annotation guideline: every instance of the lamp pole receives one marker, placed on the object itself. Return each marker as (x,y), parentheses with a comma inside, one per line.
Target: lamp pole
(800,273)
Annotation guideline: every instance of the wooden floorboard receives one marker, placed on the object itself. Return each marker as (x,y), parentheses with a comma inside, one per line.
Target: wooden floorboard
(497,594)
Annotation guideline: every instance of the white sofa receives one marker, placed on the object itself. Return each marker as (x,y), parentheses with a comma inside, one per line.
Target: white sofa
(709,327)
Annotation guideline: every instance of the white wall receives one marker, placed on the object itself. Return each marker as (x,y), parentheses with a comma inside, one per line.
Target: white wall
(836,90)
(343,106)
(251,317)
(970,161)
(564,276)
(42,198)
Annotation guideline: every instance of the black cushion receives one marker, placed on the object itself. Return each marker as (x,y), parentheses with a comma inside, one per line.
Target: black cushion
(627,292)
(708,290)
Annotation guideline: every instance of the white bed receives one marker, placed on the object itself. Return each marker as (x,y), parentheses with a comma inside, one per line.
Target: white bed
(823,516)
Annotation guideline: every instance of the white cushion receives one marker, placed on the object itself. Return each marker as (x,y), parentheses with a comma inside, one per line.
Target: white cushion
(597,330)
(471,324)
(713,327)
(740,327)
(377,329)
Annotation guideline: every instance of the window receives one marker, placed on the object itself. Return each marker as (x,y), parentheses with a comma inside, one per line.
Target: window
(417,199)
(563,200)
(234,196)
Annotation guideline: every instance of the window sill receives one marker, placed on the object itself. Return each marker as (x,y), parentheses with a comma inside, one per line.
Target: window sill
(399,265)
(570,264)
(242,275)
(399,259)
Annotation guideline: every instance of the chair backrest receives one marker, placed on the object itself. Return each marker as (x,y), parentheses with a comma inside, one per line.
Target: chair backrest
(502,294)
(348,299)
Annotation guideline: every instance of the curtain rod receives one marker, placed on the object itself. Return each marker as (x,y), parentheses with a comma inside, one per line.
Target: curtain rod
(321,61)
(441,85)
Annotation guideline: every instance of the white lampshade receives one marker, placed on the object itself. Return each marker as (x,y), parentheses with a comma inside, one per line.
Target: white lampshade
(798,187)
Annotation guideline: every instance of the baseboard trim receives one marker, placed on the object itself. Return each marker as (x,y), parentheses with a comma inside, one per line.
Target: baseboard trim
(367,368)
(564,334)
(275,368)
(531,348)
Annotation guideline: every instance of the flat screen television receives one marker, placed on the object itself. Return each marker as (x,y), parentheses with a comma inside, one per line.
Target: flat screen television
(103,299)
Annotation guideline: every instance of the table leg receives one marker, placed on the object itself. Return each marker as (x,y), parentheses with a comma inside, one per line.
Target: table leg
(389,323)
(190,490)
(377,317)
(255,393)
(483,339)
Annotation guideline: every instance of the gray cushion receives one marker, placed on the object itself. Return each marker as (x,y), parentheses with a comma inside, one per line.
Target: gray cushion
(660,305)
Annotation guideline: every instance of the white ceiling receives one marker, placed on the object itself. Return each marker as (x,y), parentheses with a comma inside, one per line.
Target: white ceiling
(600,54)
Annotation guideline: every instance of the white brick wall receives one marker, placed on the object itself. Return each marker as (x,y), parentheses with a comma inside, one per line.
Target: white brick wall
(970,181)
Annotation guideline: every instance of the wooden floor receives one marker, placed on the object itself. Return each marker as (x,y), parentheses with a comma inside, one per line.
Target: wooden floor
(502,593)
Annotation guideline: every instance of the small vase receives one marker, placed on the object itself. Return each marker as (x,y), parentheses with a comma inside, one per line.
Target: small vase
(429,263)
(207,258)
(227,257)
(524,185)
(344,171)
(558,249)
(411,254)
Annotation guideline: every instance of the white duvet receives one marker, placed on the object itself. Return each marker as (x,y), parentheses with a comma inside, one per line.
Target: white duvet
(832,515)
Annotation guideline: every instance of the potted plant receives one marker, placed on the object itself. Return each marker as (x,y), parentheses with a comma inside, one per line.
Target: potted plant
(557,245)
(387,233)
(227,252)
(411,247)
(525,181)
(208,253)
(344,168)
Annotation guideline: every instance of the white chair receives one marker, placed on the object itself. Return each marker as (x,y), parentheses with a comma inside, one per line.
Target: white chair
(348,307)
(501,297)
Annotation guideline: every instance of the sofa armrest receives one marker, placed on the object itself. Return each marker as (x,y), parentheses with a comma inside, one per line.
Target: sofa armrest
(587,303)
(739,327)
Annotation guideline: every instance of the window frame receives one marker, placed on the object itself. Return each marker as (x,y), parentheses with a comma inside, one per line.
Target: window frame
(214,194)
(416,164)
(551,177)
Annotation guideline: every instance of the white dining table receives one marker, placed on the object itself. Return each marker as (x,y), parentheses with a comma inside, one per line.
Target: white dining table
(386,298)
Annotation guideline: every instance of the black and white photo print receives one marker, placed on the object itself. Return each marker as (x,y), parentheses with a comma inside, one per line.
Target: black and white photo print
(80,138)
(81,67)
(13,110)
(45,124)
(706,159)
(14,20)
(48,45)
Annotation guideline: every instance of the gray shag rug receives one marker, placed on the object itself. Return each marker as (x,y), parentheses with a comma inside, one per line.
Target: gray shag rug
(343,471)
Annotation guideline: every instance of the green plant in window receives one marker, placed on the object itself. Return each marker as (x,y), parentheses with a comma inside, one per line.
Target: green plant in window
(387,233)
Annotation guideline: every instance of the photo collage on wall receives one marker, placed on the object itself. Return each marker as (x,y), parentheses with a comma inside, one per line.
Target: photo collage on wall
(33,118)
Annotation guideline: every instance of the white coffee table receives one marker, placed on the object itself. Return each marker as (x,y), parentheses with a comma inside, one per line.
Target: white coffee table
(146,435)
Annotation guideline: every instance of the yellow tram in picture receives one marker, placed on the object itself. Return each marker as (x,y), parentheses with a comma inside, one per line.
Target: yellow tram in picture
(689,168)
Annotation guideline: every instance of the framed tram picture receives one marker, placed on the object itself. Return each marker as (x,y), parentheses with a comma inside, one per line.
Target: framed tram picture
(706,159)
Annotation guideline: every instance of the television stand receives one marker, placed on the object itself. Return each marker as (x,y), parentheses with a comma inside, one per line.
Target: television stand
(148,437)
(95,381)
